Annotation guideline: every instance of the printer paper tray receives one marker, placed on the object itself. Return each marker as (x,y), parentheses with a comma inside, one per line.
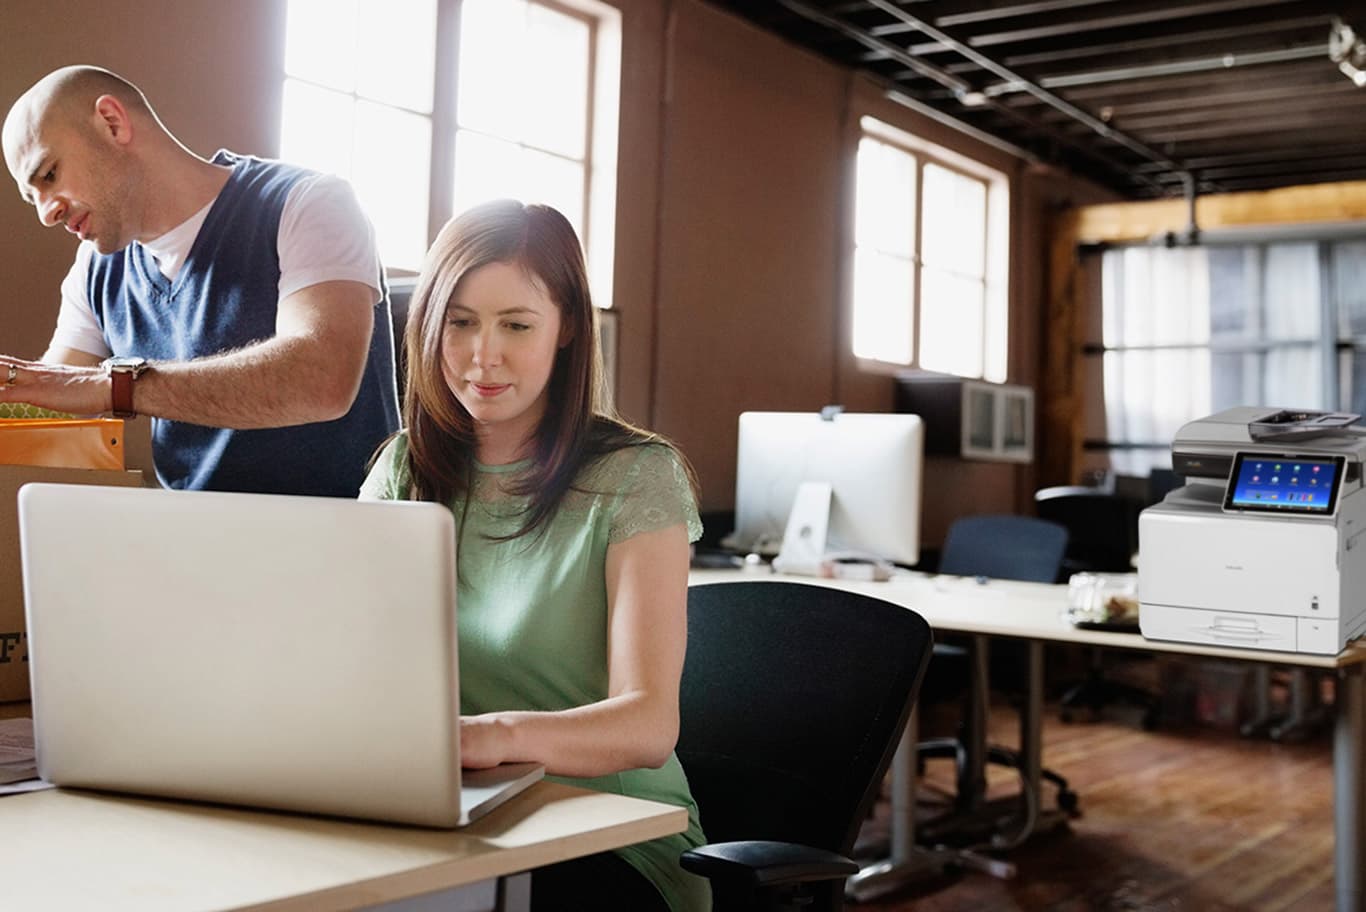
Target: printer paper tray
(1239,629)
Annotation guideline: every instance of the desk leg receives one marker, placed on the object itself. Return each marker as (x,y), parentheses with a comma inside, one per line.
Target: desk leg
(972,778)
(1031,719)
(1349,795)
(907,863)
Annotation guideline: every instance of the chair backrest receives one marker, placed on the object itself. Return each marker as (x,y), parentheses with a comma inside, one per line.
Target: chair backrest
(1103,527)
(793,699)
(1004,547)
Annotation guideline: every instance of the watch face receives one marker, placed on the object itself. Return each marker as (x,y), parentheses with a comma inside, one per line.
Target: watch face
(126,363)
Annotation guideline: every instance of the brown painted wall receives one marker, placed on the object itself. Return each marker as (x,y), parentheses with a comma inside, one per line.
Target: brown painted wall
(733,181)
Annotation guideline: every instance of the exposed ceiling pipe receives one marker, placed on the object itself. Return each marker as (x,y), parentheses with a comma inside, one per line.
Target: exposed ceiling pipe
(981,136)
(929,71)
(1047,97)
(960,88)
(1176,68)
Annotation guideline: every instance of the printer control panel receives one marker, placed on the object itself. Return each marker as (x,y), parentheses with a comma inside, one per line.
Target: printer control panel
(1306,485)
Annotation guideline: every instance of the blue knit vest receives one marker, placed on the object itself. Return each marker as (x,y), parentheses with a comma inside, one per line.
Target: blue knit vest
(224,297)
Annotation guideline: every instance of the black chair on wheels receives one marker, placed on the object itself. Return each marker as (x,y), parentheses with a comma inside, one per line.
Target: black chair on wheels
(793,699)
(1102,538)
(989,547)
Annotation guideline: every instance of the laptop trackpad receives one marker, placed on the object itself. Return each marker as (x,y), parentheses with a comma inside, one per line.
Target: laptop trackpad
(483,790)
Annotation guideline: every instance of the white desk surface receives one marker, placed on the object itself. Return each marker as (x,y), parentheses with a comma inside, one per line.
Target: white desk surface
(66,849)
(1014,609)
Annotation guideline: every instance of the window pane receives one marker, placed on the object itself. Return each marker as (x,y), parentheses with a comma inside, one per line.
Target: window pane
(1292,298)
(320,42)
(555,117)
(953,222)
(397,65)
(885,202)
(1235,379)
(951,312)
(1156,297)
(493,72)
(1358,375)
(1232,292)
(1150,394)
(317,127)
(392,177)
(488,168)
(1292,379)
(1349,285)
(882,307)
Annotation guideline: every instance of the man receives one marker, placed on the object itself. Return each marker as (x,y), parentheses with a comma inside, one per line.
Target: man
(251,287)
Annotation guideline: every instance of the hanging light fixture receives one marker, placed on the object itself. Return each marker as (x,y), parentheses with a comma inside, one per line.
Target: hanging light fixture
(1348,51)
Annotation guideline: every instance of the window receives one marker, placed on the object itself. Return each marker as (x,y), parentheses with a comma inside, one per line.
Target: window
(431,106)
(930,257)
(1191,331)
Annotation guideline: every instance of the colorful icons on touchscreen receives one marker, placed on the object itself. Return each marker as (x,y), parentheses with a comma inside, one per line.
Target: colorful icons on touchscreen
(1284,484)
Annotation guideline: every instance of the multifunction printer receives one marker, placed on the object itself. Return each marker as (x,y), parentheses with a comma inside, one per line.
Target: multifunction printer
(1262,548)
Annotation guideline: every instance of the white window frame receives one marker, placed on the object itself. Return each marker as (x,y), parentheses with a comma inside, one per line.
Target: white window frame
(600,155)
(996,244)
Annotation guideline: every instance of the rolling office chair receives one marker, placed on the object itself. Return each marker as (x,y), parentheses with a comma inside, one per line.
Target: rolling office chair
(993,547)
(793,699)
(1102,532)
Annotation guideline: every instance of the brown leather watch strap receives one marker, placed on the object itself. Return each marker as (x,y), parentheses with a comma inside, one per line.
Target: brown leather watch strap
(121,393)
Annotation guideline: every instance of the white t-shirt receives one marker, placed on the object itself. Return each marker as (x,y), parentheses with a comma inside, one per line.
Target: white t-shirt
(324,237)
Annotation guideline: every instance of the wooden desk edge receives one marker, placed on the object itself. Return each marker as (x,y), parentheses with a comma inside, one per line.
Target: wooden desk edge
(505,842)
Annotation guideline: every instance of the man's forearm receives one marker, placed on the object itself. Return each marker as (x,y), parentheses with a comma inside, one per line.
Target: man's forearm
(275,383)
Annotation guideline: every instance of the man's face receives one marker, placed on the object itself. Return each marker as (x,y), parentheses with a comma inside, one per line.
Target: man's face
(75,180)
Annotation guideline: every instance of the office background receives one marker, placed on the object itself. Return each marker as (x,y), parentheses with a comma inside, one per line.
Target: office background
(733,201)
(730,207)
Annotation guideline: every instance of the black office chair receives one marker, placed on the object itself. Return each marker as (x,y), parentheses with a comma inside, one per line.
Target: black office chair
(1102,532)
(991,547)
(1102,527)
(793,699)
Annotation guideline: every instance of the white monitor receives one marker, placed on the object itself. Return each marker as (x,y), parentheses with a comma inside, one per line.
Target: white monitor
(872,463)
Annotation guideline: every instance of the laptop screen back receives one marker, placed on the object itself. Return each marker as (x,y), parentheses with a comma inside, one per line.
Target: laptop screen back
(289,652)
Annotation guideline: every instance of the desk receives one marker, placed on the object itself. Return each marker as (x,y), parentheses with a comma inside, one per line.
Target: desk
(69,849)
(1034,612)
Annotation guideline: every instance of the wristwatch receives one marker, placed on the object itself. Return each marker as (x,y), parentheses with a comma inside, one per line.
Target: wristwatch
(122,372)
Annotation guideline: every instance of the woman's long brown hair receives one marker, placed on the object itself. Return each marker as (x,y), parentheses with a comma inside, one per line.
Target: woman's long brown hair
(578,425)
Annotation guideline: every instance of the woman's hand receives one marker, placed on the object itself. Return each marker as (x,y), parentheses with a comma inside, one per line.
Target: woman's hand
(485,741)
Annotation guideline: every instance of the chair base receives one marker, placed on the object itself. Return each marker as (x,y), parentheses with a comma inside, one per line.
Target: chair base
(1001,823)
(993,825)
(881,878)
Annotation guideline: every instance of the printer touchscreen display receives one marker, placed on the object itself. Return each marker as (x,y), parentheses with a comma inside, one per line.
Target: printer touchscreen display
(1284,484)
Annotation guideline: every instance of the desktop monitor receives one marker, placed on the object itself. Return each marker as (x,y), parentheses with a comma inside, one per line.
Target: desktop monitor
(871,461)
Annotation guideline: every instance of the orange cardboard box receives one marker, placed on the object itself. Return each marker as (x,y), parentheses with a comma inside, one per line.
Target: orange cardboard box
(13,639)
(74,443)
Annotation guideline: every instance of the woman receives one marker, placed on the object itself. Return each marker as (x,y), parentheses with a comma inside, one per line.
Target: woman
(573,537)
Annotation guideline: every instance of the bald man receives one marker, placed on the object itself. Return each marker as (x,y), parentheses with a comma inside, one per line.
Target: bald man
(238,302)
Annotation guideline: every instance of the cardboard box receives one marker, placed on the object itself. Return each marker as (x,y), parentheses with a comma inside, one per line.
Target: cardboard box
(76,443)
(13,639)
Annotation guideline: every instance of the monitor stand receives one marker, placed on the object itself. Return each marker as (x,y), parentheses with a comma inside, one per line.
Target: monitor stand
(803,549)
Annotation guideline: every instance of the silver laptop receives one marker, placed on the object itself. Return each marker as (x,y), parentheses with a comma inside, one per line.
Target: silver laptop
(283,652)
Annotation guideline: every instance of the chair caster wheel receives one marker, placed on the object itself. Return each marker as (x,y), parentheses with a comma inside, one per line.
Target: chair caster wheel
(1068,803)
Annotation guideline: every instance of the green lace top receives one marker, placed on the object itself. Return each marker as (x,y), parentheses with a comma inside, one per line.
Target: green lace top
(532,612)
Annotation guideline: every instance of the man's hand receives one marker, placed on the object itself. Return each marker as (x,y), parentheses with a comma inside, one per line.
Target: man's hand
(59,387)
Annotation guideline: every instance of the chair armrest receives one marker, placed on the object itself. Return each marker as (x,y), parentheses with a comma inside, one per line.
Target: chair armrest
(766,864)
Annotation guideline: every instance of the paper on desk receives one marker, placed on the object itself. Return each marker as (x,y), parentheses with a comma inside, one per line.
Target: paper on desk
(18,768)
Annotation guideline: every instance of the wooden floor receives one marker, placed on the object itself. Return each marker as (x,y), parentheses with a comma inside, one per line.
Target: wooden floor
(1195,820)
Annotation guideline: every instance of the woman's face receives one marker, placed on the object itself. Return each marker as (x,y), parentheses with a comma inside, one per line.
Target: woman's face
(498,348)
